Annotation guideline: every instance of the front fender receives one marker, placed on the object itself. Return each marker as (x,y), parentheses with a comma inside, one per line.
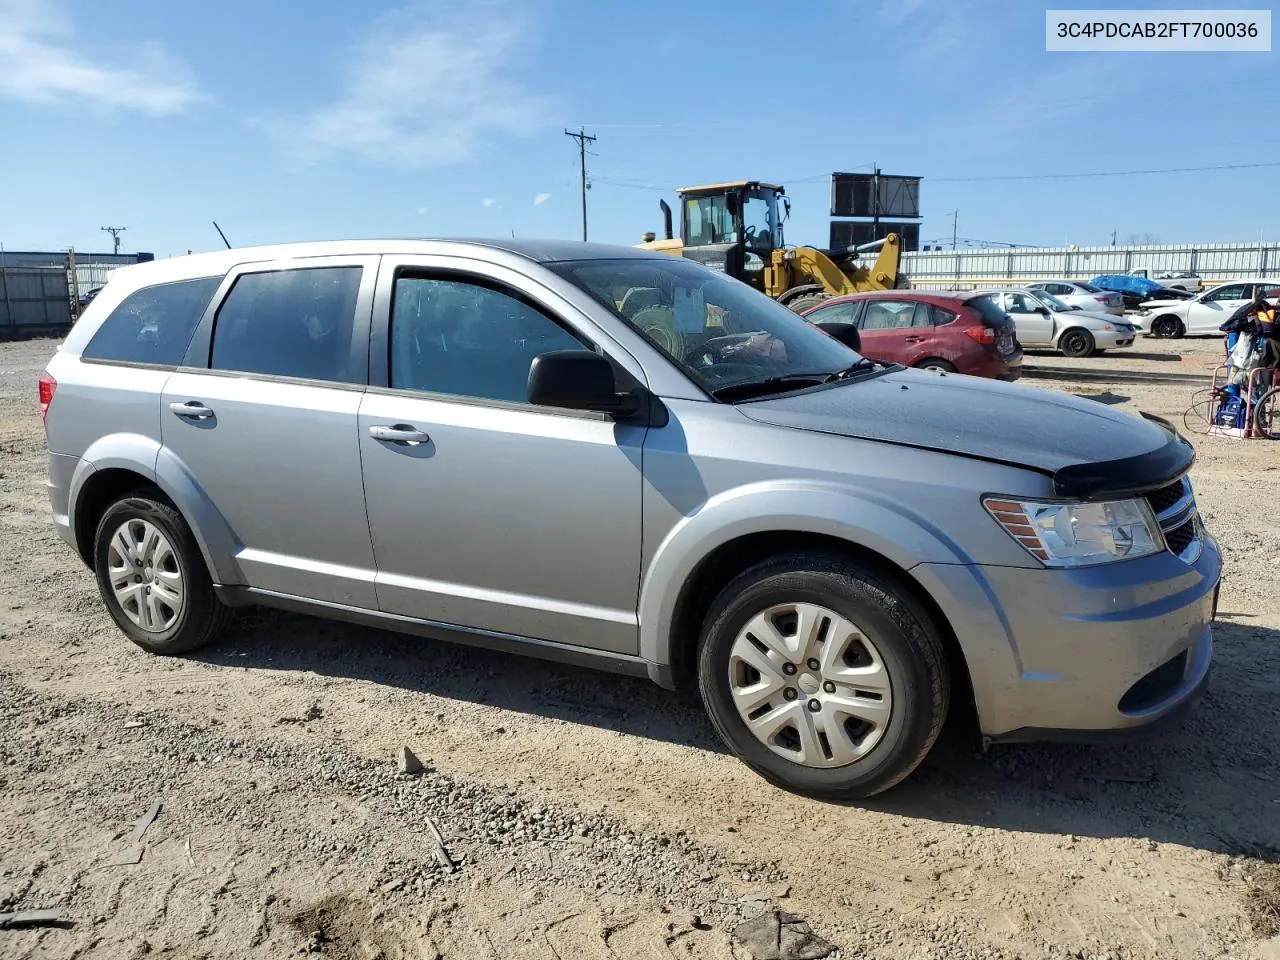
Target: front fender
(861,518)
(147,458)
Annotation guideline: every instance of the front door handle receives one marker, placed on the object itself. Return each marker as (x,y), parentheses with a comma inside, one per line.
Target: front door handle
(400,433)
(914,339)
(191,410)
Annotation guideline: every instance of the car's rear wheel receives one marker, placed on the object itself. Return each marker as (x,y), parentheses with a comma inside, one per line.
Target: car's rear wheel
(942,366)
(824,674)
(1166,327)
(1076,343)
(153,578)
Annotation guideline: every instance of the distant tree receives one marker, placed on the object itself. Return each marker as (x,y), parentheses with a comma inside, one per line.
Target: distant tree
(1142,240)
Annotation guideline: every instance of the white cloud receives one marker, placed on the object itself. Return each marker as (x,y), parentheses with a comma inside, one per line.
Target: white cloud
(540,199)
(422,210)
(425,86)
(488,203)
(40,62)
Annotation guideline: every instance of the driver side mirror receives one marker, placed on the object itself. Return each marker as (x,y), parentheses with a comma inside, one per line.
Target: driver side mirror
(577,380)
(1042,309)
(846,333)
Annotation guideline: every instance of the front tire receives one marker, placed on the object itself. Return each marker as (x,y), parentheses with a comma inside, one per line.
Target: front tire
(1076,343)
(823,674)
(1166,328)
(153,578)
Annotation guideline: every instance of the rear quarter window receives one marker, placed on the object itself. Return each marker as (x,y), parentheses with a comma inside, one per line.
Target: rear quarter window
(153,325)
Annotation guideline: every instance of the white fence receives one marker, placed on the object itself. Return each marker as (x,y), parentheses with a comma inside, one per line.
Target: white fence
(965,269)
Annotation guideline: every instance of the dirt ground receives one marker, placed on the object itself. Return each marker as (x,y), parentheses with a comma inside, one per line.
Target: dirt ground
(591,816)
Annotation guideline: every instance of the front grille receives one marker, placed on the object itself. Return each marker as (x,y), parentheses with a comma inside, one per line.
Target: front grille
(1175,510)
(1180,537)
(1164,498)
(1155,686)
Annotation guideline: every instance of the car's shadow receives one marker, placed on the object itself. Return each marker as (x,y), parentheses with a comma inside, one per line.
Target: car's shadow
(1212,783)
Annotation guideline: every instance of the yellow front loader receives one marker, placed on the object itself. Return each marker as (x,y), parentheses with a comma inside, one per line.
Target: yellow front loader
(737,228)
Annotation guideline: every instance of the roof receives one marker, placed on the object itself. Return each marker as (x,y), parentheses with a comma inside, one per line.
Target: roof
(540,251)
(912,294)
(731,185)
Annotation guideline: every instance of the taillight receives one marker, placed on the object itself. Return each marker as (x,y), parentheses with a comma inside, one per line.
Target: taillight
(981,334)
(47,387)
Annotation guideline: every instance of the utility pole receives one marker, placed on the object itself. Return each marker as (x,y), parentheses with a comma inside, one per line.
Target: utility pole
(583,140)
(1113,238)
(115,236)
(955,220)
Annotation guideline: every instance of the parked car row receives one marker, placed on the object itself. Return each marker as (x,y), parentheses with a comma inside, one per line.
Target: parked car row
(980,332)
(1204,313)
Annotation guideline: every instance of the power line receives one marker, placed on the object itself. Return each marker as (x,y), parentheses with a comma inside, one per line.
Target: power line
(583,140)
(1104,173)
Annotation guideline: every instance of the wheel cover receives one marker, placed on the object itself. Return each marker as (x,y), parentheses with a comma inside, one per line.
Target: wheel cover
(145,575)
(810,685)
(1074,344)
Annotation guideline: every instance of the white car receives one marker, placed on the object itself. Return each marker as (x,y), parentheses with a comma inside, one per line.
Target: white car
(1087,297)
(1204,313)
(1042,321)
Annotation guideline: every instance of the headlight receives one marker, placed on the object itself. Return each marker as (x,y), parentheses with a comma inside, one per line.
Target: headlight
(1107,326)
(1079,534)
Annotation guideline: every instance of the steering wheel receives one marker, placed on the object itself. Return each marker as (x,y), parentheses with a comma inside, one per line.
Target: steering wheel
(708,352)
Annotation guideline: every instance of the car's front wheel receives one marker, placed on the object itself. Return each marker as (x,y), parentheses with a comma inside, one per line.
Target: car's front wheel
(153,578)
(1076,343)
(1166,327)
(824,674)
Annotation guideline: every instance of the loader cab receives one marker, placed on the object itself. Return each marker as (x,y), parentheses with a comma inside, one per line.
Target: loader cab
(733,227)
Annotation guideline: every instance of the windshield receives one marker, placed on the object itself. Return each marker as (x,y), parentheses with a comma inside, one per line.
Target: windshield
(760,220)
(1050,301)
(1088,288)
(719,331)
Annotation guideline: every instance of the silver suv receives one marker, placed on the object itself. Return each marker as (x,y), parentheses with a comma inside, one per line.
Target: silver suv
(623,459)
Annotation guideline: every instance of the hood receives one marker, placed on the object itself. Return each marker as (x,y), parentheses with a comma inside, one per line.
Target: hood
(1147,304)
(1068,317)
(1090,450)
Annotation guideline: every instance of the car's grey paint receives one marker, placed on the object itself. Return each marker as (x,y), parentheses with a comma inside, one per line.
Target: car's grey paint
(969,416)
(895,465)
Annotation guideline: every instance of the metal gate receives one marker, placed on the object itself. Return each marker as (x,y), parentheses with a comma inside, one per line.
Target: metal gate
(33,301)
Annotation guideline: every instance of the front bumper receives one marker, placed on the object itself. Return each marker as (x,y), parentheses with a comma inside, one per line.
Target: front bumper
(1110,339)
(1092,653)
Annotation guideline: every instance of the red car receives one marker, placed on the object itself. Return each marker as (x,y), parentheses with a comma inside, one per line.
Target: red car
(960,332)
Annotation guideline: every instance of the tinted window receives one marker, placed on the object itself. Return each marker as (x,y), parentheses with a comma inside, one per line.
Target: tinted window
(986,308)
(836,313)
(1228,291)
(153,325)
(941,316)
(449,336)
(290,323)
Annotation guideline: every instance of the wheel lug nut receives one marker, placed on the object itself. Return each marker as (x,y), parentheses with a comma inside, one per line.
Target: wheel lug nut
(789,693)
(814,664)
(814,706)
(829,687)
(789,669)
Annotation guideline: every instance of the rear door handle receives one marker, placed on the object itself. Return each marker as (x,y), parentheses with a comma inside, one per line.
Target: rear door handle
(914,339)
(400,433)
(191,410)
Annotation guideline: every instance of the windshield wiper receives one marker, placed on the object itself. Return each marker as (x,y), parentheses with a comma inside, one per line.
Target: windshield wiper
(864,363)
(781,384)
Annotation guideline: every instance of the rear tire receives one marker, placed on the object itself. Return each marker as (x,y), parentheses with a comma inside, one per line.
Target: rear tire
(850,702)
(153,578)
(934,363)
(801,304)
(1167,328)
(1076,343)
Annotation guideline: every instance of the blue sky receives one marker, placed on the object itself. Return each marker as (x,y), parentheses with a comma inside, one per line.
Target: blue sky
(296,121)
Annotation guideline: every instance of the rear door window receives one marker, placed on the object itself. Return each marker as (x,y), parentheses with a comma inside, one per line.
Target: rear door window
(888,315)
(153,325)
(290,323)
(836,313)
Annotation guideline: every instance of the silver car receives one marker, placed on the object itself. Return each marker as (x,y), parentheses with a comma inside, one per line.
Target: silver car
(619,458)
(1076,293)
(1043,320)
